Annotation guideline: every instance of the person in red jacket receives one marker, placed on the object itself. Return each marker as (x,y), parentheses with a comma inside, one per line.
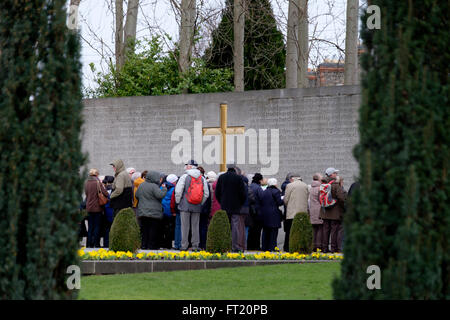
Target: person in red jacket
(91,188)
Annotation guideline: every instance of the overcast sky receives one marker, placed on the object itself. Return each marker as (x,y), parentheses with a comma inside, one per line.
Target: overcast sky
(156,17)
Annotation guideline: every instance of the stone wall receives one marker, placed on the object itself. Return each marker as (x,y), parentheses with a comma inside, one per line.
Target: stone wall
(316,127)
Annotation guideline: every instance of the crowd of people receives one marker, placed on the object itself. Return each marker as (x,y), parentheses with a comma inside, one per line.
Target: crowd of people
(174,212)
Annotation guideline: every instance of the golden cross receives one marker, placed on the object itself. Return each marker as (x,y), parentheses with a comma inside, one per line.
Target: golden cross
(223,130)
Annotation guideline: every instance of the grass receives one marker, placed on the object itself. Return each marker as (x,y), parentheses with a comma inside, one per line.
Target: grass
(310,281)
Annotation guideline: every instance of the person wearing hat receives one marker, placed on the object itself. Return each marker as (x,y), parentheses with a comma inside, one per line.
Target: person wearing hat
(332,216)
(122,194)
(231,194)
(150,210)
(296,200)
(190,210)
(331,173)
(168,221)
(255,229)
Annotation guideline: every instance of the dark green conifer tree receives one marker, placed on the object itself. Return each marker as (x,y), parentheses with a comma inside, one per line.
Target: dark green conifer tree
(40,149)
(400,218)
(264,48)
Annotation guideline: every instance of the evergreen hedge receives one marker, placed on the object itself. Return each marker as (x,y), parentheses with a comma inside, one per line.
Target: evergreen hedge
(40,149)
(125,234)
(400,218)
(301,234)
(264,48)
(219,233)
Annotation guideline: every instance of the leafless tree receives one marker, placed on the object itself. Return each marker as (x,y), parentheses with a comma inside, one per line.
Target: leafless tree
(303,53)
(238,48)
(292,48)
(351,44)
(73,14)
(187,29)
(125,36)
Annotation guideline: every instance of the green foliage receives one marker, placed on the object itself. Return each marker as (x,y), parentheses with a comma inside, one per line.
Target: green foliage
(219,233)
(264,48)
(301,234)
(400,218)
(40,108)
(148,71)
(125,234)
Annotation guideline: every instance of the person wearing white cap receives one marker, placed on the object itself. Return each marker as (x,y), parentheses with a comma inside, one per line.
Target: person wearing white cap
(331,173)
(169,218)
(130,171)
(191,192)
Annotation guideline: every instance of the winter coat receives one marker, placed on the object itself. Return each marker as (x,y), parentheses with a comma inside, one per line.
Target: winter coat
(314,204)
(150,195)
(246,205)
(109,212)
(122,195)
(283,186)
(136,185)
(270,213)
(91,191)
(206,207)
(166,201)
(181,190)
(257,192)
(230,192)
(296,198)
(337,210)
(215,206)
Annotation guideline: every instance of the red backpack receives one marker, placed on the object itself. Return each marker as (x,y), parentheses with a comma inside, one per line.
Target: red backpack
(194,194)
(325,198)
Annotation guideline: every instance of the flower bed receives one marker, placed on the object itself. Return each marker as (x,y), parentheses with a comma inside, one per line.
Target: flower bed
(103,254)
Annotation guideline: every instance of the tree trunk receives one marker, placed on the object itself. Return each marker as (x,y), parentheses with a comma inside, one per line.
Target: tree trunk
(72,21)
(292,45)
(119,34)
(302,78)
(238,49)
(351,44)
(186,34)
(130,26)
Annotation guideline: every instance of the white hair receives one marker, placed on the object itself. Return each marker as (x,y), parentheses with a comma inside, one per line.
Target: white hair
(272,182)
(211,176)
(135,175)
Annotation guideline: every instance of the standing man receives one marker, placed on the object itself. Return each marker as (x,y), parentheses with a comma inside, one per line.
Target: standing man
(122,194)
(231,194)
(332,215)
(191,192)
(296,200)
(314,212)
(254,233)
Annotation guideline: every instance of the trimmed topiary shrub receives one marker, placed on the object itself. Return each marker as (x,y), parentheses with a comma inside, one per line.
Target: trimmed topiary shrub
(125,234)
(219,233)
(301,235)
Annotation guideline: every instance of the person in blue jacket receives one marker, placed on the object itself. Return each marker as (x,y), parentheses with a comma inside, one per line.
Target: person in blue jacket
(271,214)
(168,222)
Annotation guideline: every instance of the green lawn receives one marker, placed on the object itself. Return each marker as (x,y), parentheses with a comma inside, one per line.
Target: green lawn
(277,282)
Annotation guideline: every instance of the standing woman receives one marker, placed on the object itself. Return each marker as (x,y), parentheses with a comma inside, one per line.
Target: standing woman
(149,209)
(271,214)
(91,188)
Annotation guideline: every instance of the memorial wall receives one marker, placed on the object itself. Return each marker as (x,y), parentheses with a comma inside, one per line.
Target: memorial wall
(302,130)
